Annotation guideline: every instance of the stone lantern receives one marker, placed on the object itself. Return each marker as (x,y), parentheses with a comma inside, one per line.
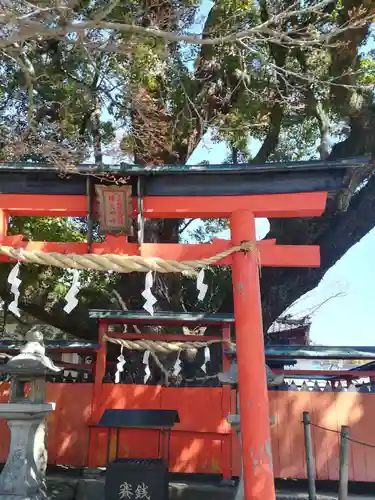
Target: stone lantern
(23,476)
(230,377)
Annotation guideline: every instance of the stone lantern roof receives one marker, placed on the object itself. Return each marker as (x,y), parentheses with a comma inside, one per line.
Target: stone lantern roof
(32,360)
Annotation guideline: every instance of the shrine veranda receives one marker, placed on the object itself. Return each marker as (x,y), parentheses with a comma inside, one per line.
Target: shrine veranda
(239,193)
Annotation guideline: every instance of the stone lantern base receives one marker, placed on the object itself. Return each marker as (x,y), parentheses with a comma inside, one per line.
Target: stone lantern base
(23,476)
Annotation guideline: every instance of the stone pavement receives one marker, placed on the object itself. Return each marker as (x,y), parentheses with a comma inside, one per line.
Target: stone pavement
(65,487)
(60,488)
(199,491)
(74,488)
(293,495)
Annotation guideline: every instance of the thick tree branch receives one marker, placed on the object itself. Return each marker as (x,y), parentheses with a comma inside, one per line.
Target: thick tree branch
(272,138)
(315,108)
(279,55)
(76,324)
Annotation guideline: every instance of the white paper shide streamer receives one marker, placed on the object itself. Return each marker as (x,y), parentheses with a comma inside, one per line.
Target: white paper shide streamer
(70,297)
(201,285)
(207,358)
(147,294)
(120,366)
(177,366)
(140,223)
(15,283)
(146,358)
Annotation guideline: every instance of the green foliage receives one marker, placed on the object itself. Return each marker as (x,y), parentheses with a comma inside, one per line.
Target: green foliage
(230,88)
(367,69)
(219,281)
(46,229)
(290,140)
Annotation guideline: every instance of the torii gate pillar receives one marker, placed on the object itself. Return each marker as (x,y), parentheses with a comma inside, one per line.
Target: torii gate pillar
(254,410)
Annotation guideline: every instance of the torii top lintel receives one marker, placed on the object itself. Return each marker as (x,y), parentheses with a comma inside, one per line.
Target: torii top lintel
(295,189)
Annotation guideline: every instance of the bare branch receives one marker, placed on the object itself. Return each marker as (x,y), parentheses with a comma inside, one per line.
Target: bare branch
(124,308)
(102,14)
(186,225)
(33,30)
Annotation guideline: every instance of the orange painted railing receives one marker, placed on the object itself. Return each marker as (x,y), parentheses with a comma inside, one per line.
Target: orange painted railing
(203,442)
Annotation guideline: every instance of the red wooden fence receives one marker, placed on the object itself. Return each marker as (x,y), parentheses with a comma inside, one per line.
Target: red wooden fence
(203,442)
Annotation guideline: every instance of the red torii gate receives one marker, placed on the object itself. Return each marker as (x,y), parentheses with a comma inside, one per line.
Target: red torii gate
(240,193)
(242,211)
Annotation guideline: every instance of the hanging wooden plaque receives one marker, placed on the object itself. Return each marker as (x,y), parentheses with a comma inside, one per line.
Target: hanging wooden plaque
(115,209)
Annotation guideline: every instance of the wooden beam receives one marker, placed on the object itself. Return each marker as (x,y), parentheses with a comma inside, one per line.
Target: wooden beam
(160,318)
(168,337)
(271,255)
(74,366)
(3,223)
(207,207)
(44,205)
(174,207)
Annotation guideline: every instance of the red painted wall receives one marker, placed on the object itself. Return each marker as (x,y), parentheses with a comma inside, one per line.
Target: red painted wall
(329,410)
(197,443)
(203,442)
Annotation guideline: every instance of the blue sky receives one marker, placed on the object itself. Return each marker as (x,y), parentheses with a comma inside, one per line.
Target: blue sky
(347,291)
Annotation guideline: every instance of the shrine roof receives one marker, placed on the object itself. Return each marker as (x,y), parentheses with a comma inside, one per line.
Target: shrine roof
(11,346)
(320,352)
(161,318)
(279,363)
(138,170)
(286,353)
(225,179)
(365,367)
